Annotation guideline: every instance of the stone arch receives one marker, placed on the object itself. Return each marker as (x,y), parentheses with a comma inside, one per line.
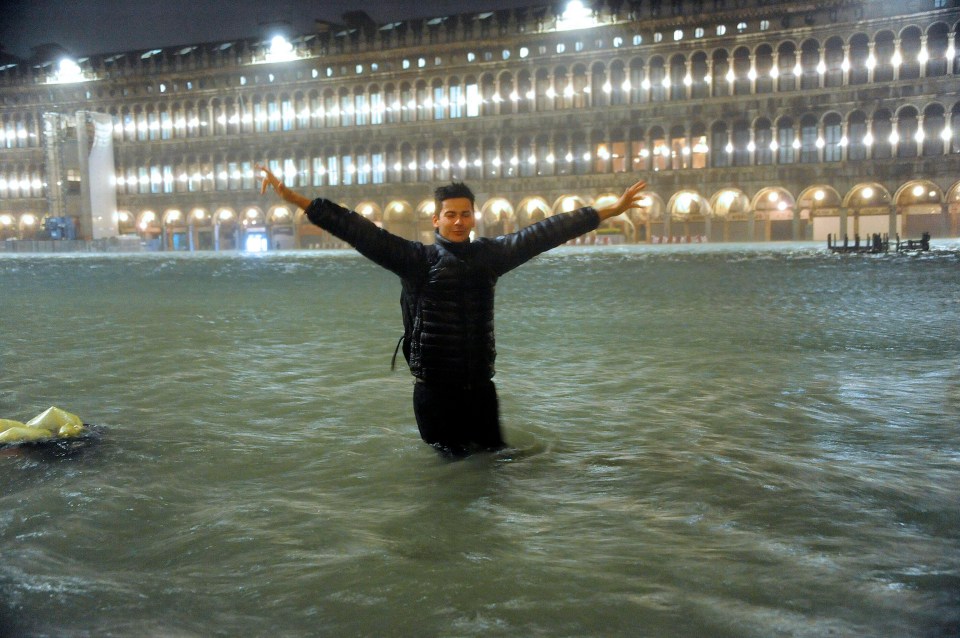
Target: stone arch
(497,217)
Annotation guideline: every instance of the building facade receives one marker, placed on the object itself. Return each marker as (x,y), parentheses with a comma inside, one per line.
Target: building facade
(751,120)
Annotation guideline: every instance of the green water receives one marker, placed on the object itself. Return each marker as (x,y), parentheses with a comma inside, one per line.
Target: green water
(706,441)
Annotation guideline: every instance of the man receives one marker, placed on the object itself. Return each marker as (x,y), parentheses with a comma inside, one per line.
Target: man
(447,301)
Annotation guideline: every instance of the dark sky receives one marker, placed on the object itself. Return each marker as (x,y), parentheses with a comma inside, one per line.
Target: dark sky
(86,27)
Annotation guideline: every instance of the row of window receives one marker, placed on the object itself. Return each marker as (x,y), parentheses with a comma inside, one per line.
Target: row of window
(695,76)
(786,140)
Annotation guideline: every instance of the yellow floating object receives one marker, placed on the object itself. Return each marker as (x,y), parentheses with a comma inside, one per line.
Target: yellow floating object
(57,420)
(51,423)
(18,434)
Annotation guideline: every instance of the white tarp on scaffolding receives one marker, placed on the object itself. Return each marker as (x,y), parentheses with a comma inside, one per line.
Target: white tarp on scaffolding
(95,135)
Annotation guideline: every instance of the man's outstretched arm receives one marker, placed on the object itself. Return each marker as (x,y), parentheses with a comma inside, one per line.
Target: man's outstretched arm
(390,251)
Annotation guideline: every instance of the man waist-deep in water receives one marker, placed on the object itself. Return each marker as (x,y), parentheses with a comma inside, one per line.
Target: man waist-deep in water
(447,300)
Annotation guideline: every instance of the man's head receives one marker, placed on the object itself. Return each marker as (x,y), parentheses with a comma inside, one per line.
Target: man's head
(453,216)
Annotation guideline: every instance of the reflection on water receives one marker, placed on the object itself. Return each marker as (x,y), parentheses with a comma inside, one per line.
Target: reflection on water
(706,440)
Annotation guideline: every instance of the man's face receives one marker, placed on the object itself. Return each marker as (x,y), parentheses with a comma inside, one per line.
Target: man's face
(455,219)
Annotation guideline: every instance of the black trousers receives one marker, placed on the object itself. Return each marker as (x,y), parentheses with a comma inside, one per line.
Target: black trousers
(458,420)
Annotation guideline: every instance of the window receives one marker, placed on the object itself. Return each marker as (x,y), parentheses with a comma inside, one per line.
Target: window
(318,171)
(473,100)
(832,133)
(785,140)
(809,151)
(376,108)
(363,168)
(333,171)
(456,101)
(287,114)
(857,130)
(360,108)
(379,167)
(439,102)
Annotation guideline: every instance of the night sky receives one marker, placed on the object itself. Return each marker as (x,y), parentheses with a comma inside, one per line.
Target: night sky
(105,26)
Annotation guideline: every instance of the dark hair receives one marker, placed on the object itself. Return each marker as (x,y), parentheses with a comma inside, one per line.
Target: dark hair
(450,191)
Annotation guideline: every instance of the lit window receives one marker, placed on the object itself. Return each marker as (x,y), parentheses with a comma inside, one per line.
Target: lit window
(721,29)
(506,54)
(406,63)
(637,40)
(658,37)
(359,69)
(470,57)
(764,25)
(524,52)
(741,27)
(617,42)
(561,47)
(698,32)
(678,34)
(421,62)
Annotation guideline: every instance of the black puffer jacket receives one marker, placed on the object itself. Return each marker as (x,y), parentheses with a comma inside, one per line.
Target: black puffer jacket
(448,287)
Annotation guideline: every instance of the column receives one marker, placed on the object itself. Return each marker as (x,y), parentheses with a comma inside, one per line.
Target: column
(845,76)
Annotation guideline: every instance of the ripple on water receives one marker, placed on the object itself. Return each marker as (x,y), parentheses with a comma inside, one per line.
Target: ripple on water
(705,440)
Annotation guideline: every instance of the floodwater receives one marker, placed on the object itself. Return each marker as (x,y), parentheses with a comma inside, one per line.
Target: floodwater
(731,440)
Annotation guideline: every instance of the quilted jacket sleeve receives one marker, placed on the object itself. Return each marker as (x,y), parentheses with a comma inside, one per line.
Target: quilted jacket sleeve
(516,248)
(398,255)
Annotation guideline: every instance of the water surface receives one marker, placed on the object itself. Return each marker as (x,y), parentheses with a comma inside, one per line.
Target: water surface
(736,440)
